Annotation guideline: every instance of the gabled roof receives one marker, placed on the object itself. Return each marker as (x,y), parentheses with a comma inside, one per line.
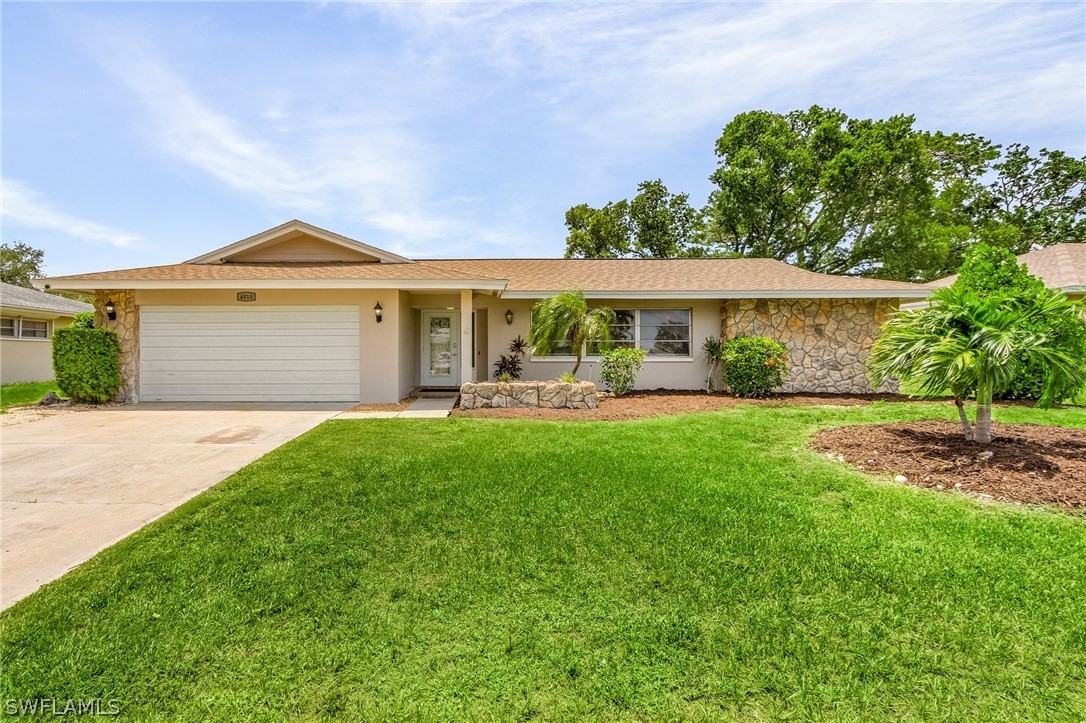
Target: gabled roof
(19,297)
(1060,266)
(290,228)
(687,278)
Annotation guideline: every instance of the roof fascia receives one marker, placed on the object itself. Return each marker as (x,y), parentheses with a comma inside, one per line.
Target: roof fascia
(295,225)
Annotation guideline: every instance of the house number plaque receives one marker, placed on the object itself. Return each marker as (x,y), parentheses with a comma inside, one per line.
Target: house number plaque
(246,296)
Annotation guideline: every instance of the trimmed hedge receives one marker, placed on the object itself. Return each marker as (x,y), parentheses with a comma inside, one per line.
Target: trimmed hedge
(87,364)
(753,366)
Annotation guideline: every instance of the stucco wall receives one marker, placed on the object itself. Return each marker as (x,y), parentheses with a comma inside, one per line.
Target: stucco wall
(828,340)
(29,360)
(670,373)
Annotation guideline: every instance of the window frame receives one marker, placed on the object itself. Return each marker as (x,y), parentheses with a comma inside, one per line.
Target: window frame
(636,341)
(19,329)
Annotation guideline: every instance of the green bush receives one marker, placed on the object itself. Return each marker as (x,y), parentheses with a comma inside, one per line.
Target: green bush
(619,368)
(753,366)
(83,320)
(87,364)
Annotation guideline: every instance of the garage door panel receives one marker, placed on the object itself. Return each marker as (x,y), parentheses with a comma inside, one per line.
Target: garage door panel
(250,354)
(165,353)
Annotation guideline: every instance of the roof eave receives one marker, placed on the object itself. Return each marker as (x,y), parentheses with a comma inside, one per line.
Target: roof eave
(918,293)
(77,284)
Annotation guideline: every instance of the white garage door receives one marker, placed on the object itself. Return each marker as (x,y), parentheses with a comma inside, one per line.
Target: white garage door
(249,354)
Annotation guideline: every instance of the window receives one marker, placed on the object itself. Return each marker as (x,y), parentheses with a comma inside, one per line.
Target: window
(660,332)
(35,329)
(24,328)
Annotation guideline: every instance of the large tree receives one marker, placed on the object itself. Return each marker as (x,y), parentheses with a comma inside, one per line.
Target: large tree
(819,189)
(20,263)
(655,224)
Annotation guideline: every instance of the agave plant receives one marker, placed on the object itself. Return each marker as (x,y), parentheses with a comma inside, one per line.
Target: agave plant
(975,346)
(566,317)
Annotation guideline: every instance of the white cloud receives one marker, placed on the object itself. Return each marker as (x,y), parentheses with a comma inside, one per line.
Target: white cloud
(21,205)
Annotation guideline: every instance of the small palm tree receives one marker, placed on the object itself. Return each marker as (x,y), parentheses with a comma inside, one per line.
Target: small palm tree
(974,346)
(566,318)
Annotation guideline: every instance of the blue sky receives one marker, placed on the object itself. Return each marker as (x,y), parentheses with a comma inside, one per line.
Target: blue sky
(140,134)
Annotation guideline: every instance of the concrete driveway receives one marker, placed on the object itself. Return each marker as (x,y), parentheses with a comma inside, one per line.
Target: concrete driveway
(74,484)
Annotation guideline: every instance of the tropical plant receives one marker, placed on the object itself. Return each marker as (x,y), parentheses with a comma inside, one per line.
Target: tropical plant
(619,368)
(974,347)
(753,366)
(566,319)
(507,366)
(505,377)
(993,271)
(712,348)
(567,377)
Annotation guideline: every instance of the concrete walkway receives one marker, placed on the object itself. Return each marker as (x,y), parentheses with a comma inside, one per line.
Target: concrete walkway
(422,408)
(74,484)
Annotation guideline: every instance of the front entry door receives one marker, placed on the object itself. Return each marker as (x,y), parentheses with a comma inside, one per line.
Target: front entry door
(441,348)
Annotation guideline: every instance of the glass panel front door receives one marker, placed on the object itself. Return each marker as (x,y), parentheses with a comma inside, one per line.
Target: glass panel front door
(440,351)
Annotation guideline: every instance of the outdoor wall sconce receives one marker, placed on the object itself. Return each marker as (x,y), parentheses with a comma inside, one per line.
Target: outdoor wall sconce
(509,316)
(377,312)
(111,311)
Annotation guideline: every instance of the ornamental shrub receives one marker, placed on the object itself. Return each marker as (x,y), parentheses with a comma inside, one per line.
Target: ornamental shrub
(753,366)
(83,320)
(619,368)
(87,364)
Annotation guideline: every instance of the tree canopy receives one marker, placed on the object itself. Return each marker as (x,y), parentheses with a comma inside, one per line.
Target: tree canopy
(20,263)
(829,193)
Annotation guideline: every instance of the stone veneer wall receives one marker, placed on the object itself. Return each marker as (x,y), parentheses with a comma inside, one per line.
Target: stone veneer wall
(828,340)
(127,327)
(555,395)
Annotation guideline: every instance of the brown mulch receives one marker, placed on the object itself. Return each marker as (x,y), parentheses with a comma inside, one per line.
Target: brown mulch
(666,402)
(1029,463)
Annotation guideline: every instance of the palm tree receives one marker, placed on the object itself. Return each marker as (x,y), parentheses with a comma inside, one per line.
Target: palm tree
(566,318)
(974,346)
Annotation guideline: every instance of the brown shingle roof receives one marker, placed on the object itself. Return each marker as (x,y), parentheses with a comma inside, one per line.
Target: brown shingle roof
(270,271)
(716,276)
(524,277)
(1060,266)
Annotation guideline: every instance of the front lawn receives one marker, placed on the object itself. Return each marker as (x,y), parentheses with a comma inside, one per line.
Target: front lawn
(706,566)
(24,393)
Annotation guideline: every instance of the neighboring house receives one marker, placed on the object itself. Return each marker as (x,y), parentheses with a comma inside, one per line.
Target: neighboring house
(27,321)
(1060,266)
(297,313)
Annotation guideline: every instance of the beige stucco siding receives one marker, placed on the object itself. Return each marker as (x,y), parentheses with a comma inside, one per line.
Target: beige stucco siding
(29,360)
(667,372)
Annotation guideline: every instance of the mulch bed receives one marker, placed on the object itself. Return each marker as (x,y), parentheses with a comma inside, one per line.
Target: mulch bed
(1028,463)
(666,402)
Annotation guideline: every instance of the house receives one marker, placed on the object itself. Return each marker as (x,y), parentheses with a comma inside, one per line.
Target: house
(27,321)
(298,313)
(1060,266)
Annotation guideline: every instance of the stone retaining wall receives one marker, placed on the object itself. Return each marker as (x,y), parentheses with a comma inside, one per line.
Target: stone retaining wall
(554,395)
(828,340)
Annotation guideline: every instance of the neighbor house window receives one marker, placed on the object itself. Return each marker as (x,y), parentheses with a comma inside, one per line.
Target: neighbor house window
(34,329)
(660,332)
(24,328)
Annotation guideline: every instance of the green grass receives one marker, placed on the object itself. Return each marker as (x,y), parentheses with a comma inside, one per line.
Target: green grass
(24,393)
(700,567)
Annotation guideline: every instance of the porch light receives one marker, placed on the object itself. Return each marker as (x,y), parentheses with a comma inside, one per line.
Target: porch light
(111,311)
(377,312)
(509,316)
